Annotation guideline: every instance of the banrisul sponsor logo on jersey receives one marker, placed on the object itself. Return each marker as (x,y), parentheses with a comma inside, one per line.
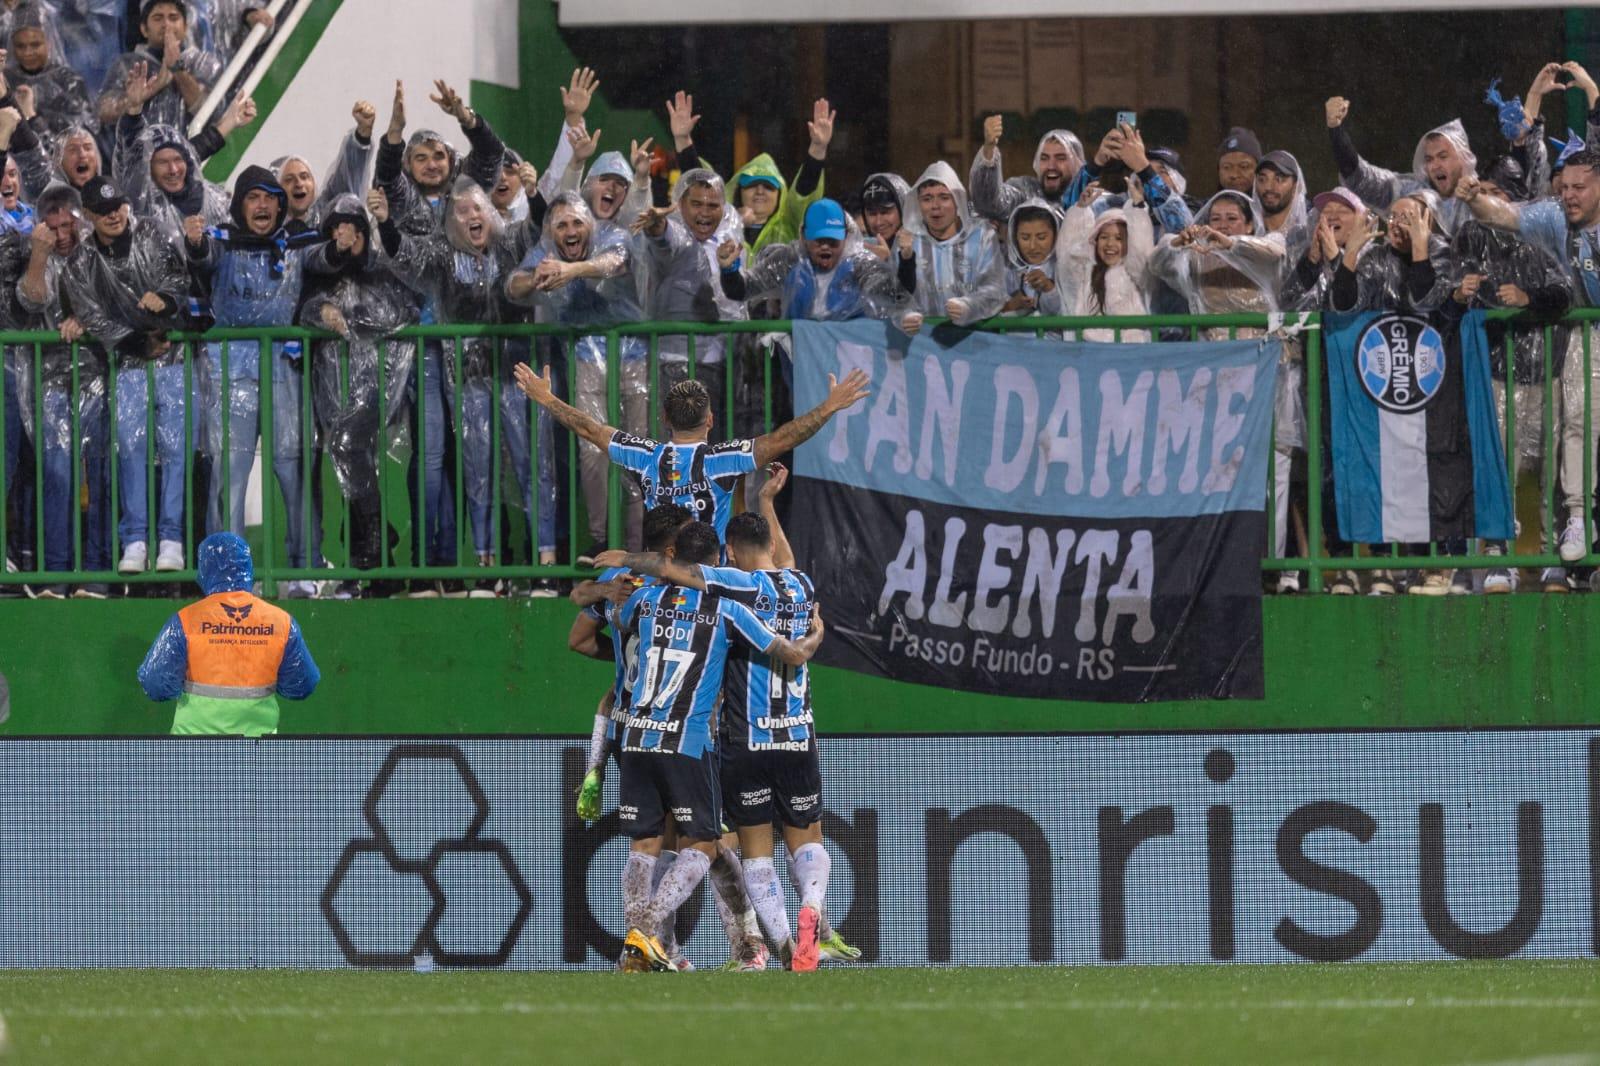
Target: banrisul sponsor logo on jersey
(1401,362)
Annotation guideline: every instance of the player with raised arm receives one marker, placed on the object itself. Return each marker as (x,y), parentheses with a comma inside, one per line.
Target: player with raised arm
(669,754)
(686,469)
(769,761)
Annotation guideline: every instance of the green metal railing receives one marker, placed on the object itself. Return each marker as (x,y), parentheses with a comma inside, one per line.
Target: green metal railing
(750,399)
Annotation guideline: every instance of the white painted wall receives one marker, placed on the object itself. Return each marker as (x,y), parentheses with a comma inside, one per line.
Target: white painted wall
(370,43)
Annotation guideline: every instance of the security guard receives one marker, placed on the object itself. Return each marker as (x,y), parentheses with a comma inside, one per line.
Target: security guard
(228,657)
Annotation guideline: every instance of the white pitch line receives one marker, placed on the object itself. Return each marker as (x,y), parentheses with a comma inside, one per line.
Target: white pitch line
(1545,1060)
(5,1039)
(880,1007)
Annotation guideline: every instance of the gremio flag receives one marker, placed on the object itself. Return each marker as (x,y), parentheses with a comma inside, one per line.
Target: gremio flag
(1036,518)
(1417,455)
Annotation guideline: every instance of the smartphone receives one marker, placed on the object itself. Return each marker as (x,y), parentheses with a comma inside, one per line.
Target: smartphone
(1128,118)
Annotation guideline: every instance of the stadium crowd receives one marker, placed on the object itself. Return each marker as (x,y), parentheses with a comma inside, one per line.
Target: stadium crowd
(111,237)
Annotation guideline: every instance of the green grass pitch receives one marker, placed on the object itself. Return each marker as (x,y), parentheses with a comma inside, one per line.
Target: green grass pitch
(1503,1013)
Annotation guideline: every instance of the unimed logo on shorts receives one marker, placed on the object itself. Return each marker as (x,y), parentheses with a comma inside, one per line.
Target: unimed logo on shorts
(1401,362)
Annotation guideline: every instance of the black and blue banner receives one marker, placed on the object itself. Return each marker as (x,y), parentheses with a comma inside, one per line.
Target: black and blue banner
(1036,518)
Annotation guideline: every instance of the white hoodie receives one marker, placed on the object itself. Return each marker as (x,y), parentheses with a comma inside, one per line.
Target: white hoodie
(1124,283)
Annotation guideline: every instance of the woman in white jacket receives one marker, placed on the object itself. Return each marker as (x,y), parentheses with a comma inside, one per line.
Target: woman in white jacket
(1101,263)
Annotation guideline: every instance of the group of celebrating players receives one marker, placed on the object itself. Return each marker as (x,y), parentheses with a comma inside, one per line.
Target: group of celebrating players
(709,719)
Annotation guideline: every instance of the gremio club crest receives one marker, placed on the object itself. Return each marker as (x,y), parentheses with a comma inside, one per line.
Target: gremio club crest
(1400,360)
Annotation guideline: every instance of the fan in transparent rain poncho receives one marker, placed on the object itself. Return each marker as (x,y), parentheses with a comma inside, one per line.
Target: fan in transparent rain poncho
(255,269)
(678,247)
(160,172)
(1101,263)
(824,276)
(219,27)
(125,285)
(578,275)
(415,175)
(1057,166)
(464,270)
(164,27)
(363,302)
(1502,269)
(1568,229)
(1442,158)
(960,271)
(1033,277)
(346,176)
(60,99)
(1227,263)
(57,231)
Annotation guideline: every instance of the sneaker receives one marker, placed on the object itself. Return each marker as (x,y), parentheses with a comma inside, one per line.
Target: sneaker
(91,592)
(170,555)
(483,590)
(752,957)
(425,590)
(681,964)
(834,948)
(1554,580)
(349,589)
(1434,583)
(805,955)
(1382,583)
(1288,582)
(589,796)
(586,557)
(134,557)
(543,589)
(453,590)
(385,589)
(1345,583)
(1571,544)
(1461,584)
(300,590)
(642,946)
(1499,582)
(51,592)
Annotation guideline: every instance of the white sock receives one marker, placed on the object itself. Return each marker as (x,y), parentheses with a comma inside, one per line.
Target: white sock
(636,889)
(676,886)
(766,894)
(668,933)
(597,743)
(809,869)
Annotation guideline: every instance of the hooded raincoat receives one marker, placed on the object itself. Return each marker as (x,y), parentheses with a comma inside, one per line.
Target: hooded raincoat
(165,108)
(860,285)
(1243,278)
(1054,302)
(227,658)
(1124,284)
(346,176)
(995,199)
(685,281)
(61,99)
(1380,187)
(783,225)
(136,150)
(417,212)
(967,265)
(359,382)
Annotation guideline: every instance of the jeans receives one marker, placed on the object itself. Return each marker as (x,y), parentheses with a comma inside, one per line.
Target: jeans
(434,517)
(12,443)
(244,429)
(61,481)
(476,401)
(172,449)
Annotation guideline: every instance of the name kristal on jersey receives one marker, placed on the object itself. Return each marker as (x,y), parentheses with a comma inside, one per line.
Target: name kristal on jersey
(701,477)
(768,702)
(684,637)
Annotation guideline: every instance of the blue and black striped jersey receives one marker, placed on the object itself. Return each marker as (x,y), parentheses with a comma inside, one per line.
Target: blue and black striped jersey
(624,647)
(768,703)
(699,476)
(684,637)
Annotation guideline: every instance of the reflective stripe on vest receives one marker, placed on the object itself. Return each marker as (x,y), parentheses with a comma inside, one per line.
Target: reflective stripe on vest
(228,692)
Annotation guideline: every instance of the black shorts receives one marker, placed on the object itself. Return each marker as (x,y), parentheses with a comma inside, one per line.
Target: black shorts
(655,783)
(758,785)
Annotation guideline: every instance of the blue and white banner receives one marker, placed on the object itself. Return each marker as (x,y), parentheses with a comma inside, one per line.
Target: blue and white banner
(1417,455)
(1037,518)
(964,850)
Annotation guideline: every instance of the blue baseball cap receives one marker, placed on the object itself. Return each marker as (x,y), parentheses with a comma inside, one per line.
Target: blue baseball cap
(825,221)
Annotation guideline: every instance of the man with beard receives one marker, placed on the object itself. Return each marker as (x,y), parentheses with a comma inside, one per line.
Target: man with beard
(255,267)
(1442,159)
(1056,163)
(1570,231)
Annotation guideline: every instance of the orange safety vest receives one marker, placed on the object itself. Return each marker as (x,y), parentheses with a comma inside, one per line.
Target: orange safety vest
(236,643)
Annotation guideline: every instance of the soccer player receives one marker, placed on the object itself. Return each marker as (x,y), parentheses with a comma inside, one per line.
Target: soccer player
(686,469)
(769,763)
(669,756)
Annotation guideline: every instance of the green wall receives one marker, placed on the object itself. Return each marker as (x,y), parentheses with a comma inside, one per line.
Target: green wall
(462,666)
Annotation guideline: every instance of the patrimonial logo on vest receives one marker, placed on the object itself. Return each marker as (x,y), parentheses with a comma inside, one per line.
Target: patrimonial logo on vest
(1401,361)
(237,614)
